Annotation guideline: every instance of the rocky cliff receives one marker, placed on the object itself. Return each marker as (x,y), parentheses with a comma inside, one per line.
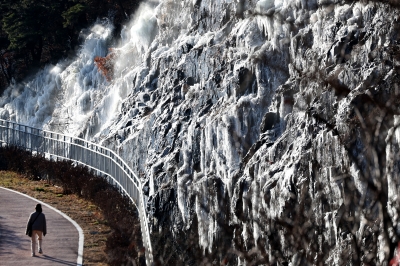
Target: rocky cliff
(265,131)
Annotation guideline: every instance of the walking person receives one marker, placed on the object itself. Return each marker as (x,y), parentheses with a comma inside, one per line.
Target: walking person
(36,228)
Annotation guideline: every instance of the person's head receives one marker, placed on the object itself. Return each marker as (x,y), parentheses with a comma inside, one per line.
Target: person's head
(38,207)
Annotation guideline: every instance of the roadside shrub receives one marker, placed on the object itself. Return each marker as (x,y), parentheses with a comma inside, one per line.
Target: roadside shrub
(105,64)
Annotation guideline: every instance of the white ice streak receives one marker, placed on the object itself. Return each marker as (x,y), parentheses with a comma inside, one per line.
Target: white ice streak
(60,87)
(136,39)
(31,103)
(83,85)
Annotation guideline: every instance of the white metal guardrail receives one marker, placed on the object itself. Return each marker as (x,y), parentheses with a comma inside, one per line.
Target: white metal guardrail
(58,146)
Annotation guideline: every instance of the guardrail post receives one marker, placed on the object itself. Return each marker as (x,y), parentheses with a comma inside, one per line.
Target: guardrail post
(7,140)
(13,132)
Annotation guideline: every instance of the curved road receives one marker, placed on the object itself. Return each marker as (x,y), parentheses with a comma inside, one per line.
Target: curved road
(62,245)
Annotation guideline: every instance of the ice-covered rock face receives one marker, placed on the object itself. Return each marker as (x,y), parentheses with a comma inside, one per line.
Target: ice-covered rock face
(264,131)
(240,124)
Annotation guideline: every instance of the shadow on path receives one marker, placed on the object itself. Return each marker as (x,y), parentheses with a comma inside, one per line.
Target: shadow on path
(10,240)
(55,260)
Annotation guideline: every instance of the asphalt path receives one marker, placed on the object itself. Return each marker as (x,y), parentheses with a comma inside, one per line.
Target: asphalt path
(62,245)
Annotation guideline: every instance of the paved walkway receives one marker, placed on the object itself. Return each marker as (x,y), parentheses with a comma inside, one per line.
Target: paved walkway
(61,245)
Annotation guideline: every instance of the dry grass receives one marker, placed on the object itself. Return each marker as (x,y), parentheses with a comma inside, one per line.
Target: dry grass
(86,214)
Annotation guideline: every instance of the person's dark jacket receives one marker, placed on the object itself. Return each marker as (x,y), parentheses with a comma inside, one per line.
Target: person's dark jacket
(39,224)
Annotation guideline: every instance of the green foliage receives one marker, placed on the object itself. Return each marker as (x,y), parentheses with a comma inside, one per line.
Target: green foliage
(72,15)
(25,24)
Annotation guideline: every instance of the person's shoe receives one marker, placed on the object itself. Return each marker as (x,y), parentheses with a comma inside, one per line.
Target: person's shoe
(40,251)
(33,255)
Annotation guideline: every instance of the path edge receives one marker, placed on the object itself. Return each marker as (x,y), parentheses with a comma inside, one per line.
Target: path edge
(79,260)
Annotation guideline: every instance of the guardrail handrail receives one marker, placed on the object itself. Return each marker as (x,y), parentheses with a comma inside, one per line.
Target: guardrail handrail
(92,155)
